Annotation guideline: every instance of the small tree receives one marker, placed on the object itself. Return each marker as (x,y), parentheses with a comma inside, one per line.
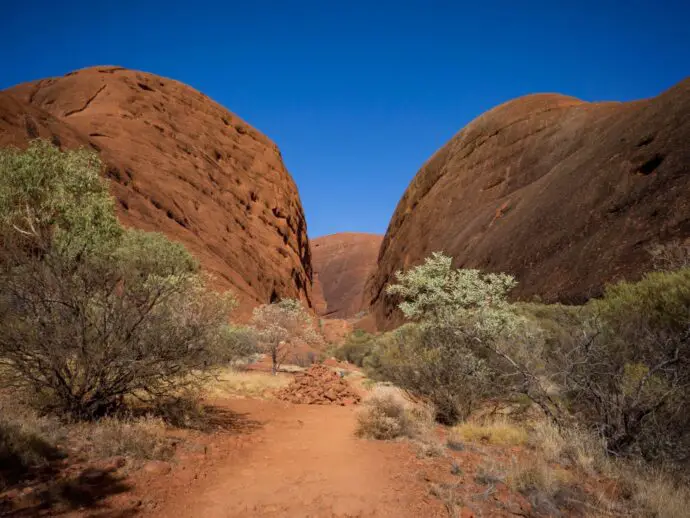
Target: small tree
(279,326)
(91,313)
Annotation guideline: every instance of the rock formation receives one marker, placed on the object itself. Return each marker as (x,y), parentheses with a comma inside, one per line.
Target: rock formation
(565,195)
(181,164)
(342,264)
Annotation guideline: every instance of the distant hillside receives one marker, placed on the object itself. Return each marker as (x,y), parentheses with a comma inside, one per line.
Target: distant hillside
(342,264)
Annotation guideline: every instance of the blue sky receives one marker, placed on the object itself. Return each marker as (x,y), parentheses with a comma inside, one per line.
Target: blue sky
(359,94)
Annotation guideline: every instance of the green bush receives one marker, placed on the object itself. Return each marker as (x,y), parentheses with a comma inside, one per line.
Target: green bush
(437,364)
(627,374)
(91,313)
(356,348)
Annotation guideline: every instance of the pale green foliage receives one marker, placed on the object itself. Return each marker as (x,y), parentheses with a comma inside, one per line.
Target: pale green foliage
(90,312)
(459,349)
(436,291)
(56,199)
(280,325)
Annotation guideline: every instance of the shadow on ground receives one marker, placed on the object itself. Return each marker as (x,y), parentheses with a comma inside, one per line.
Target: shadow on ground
(86,491)
(229,421)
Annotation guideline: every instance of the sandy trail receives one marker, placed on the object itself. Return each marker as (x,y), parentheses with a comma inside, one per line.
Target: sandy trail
(304,461)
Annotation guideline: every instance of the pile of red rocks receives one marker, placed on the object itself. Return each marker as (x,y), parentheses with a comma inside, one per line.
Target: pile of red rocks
(319,385)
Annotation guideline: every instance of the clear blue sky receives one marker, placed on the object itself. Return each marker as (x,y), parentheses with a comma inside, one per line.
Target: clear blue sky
(359,94)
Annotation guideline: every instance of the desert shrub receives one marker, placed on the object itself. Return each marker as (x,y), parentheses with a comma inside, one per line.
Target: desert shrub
(385,414)
(457,354)
(572,446)
(236,342)
(279,326)
(91,313)
(434,291)
(437,364)
(626,373)
(548,488)
(356,348)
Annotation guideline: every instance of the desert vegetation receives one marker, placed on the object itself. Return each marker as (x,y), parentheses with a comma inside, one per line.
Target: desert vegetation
(610,378)
(102,328)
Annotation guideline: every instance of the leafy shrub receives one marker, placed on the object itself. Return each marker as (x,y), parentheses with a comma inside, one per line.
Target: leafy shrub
(434,291)
(437,364)
(385,415)
(236,342)
(91,313)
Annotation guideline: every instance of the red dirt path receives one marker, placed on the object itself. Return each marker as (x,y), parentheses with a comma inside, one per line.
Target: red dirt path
(288,461)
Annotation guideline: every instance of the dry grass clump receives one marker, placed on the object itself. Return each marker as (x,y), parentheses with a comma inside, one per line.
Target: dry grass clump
(449,495)
(429,446)
(571,447)
(27,442)
(490,473)
(656,495)
(231,382)
(499,432)
(30,442)
(386,414)
(140,439)
(537,476)
(637,490)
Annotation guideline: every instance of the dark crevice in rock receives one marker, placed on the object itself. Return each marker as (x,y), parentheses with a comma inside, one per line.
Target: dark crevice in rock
(88,102)
(651,165)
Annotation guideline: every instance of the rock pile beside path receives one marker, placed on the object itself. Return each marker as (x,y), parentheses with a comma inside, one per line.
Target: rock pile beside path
(319,385)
